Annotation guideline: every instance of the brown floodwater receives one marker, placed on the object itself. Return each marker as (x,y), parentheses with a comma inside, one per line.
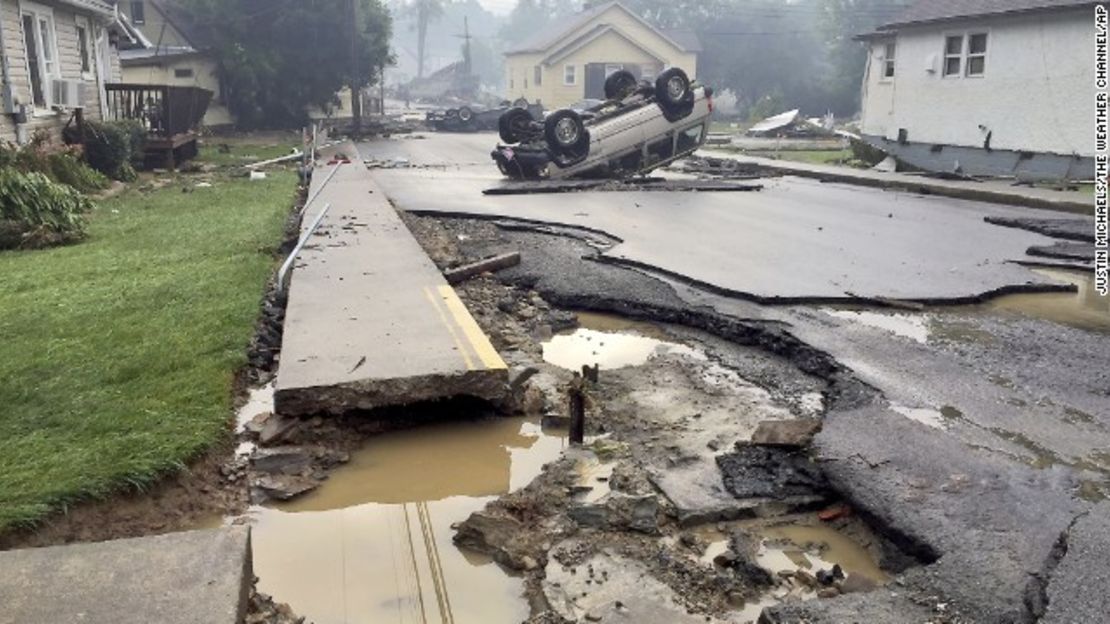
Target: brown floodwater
(1084,309)
(373,544)
(792,547)
(610,342)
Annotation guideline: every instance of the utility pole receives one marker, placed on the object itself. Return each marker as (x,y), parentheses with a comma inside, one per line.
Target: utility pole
(466,45)
(356,91)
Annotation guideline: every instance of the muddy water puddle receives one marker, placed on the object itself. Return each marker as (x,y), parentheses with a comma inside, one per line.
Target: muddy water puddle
(792,547)
(611,342)
(1083,309)
(373,544)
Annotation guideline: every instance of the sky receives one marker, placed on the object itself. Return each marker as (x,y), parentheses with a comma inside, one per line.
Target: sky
(500,7)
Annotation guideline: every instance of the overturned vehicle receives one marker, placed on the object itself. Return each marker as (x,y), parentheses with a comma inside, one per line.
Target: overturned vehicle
(475,117)
(637,129)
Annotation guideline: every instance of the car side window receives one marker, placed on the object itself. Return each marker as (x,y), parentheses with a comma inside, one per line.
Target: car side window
(690,138)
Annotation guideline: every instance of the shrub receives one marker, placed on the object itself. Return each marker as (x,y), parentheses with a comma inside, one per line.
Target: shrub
(113,148)
(37,212)
(61,164)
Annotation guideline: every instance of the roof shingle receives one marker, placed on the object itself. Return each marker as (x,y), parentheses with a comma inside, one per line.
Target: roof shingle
(926,11)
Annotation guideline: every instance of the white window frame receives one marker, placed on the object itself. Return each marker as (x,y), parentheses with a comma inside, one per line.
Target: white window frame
(983,55)
(612,68)
(647,71)
(889,67)
(141,21)
(39,13)
(946,55)
(571,72)
(82,23)
(965,54)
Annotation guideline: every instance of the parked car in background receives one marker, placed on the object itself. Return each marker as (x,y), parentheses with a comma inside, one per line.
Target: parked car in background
(475,117)
(639,127)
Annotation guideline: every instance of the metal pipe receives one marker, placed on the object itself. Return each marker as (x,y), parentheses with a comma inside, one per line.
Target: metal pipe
(288,264)
(319,189)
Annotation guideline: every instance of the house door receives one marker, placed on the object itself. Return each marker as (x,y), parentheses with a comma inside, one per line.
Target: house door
(596,73)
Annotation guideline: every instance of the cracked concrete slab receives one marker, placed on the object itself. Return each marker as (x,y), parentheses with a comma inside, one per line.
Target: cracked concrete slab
(370,321)
(179,578)
(796,240)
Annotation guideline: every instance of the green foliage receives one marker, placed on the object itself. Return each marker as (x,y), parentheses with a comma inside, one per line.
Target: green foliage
(119,354)
(769,105)
(113,148)
(38,212)
(278,58)
(60,164)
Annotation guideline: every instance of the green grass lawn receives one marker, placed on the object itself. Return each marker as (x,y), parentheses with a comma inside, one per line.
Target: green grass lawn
(118,355)
(245,151)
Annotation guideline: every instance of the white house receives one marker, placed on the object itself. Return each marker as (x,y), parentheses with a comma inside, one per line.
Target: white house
(985,87)
(56,56)
(571,60)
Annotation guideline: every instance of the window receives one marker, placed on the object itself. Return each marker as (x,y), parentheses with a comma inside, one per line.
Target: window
(647,72)
(138,12)
(965,55)
(953,55)
(977,54)
(42,52)
(888,59)
(186,72)
(84,48)
(612,68)
(570,75)
(537,76)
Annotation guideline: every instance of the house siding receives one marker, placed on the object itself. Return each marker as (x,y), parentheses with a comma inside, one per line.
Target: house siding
(1036,94)
(69,64)
(205,76)
(608,48)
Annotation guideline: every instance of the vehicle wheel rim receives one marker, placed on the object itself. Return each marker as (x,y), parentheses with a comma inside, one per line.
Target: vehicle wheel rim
(676,87)
(566,131)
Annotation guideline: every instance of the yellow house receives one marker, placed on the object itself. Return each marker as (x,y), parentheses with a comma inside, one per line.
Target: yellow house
(570,61)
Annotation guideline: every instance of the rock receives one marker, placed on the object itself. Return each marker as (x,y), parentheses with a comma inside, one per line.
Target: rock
(771,472)
(828,592)
(256,424)
(726,559)
(621,512)
(857,583)
(497,536)
(806,579)
(277,429)
(289,460)
(797,433)
(284,487)
(593,617)
(828,577)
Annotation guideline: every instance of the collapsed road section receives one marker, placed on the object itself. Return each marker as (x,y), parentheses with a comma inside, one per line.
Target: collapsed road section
(370,320)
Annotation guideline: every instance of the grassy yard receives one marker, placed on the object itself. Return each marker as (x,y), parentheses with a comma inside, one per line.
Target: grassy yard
(118,354)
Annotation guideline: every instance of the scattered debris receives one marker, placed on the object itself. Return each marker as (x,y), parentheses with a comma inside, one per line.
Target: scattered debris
(493,264)
(797,433)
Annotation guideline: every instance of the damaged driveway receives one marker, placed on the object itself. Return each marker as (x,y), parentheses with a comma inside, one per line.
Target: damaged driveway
(796,240)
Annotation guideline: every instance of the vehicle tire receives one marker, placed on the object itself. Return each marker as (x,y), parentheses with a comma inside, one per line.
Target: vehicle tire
(619,85)
(450,113)
(520,103)
(672,88)
(514,125)
(465,114)
(566,133)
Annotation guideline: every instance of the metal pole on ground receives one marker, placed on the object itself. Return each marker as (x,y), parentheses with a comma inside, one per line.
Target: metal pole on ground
(288,264)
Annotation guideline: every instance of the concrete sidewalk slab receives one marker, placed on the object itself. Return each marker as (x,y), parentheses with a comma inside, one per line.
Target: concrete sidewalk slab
(370,320)
(179,578)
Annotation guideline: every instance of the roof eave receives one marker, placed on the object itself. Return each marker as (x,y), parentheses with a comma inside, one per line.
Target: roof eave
(893,26)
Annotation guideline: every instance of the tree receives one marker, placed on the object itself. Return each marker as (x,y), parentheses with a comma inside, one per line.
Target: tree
(278,58)
(531,16)
(426,12)
(841,21)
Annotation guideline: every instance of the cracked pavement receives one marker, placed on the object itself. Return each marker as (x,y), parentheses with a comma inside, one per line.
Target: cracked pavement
(976,438)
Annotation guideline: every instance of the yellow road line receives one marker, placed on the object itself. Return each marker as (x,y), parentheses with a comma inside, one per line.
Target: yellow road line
(447,323)
(474,334)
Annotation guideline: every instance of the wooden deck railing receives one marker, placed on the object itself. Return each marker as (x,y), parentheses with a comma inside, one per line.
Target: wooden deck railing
(164,111)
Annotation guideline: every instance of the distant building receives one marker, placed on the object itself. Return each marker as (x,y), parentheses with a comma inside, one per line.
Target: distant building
(170,49)
(56,56)
(570,61)
(985,87)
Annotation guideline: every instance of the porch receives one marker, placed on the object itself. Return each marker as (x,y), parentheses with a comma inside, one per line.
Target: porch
(171,116)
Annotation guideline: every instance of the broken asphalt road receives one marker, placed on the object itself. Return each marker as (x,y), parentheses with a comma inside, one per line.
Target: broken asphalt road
(796,240)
